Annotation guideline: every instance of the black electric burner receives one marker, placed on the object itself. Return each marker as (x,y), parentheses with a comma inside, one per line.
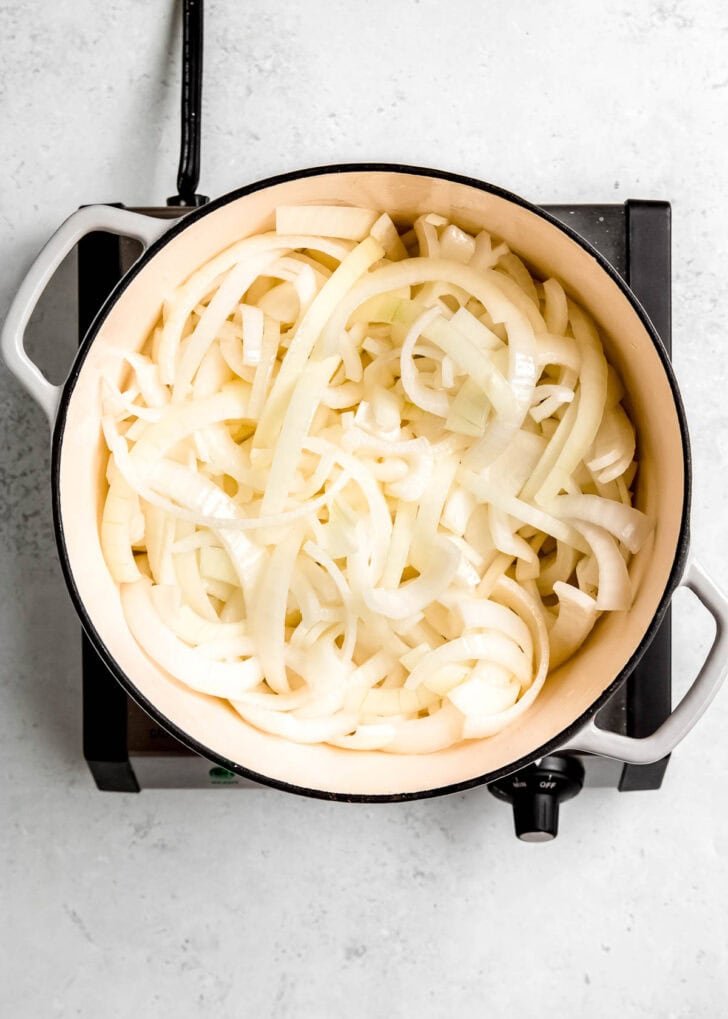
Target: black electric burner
(127,751)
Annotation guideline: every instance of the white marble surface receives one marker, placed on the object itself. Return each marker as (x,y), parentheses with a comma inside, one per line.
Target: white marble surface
(260,904)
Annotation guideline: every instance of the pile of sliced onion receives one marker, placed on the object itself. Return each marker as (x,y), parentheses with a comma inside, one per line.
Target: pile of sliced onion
(368,484)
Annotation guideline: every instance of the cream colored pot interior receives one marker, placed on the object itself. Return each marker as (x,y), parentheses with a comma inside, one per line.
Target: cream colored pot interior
(568,692)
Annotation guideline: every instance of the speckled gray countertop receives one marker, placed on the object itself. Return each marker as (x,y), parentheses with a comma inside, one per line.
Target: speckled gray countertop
(263,905)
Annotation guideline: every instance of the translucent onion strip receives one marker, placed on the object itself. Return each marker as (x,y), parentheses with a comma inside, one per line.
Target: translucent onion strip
(219,679)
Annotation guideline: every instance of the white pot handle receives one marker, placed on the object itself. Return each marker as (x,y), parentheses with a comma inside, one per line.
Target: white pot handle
(704,688)
(94,217)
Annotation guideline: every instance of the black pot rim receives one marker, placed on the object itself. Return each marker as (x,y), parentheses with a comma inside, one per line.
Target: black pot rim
(552,744)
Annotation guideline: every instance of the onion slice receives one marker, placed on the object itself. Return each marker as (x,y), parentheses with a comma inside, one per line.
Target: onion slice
(219,679)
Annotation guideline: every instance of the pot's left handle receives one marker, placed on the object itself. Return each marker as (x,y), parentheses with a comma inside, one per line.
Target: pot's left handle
(93,217)
(704,688)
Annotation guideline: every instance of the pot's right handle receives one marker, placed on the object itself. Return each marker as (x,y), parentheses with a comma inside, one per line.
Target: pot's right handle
(93,217)
(704,688)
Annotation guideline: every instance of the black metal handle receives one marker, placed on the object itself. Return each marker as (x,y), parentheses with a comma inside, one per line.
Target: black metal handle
(188,174)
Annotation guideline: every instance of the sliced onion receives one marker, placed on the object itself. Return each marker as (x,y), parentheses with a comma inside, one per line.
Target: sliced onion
(427,735)
(615,591)
(327,563)
(590,407)
(343,221)
(577,615)
(220,679)
(203,281)
(308,332)
(268,613)
(492,647)
(614,444)
(556,312)
(430,400)
(304,401)
(482,613)
(413,595)
(342,458)
(298,730)
(490,690)
(120,507)
(384,231)
(185,623)
(627,524)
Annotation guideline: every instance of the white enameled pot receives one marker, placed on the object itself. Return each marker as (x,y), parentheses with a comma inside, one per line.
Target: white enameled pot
(563,715)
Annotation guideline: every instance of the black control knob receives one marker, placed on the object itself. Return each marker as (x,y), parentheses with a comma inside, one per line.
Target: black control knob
(537,791)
